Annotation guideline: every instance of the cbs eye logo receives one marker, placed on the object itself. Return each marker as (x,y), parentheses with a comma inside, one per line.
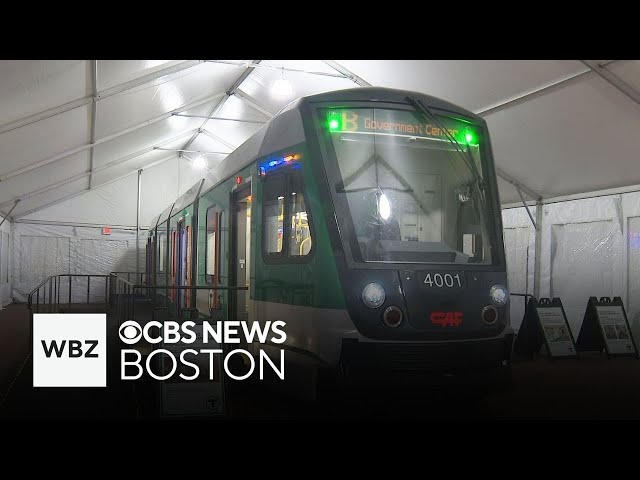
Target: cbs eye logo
(130,332)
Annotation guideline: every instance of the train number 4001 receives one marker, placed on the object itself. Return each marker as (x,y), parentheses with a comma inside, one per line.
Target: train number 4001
(446,280)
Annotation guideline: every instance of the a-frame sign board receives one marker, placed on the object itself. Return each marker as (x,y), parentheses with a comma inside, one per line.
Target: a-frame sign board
(545,322)
(605,326)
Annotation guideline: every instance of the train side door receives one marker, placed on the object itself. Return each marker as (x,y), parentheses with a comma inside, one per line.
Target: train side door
(240,252)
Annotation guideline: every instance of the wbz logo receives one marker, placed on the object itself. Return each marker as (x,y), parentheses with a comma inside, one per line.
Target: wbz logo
(69,350)
(75,348)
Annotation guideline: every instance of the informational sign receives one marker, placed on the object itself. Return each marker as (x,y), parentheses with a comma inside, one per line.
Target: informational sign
(202,396)
(615,331)
(556,331)
(545,323)
(605,326)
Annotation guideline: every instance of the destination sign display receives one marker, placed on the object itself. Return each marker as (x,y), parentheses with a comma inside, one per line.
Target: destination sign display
(400,122)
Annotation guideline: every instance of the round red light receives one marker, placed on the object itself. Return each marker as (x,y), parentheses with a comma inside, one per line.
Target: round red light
(238,180)
(489,314)
(392,316)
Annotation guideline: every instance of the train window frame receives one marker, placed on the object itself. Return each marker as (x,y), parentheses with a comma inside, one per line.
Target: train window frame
(209,278)
(273,257)
(284,257)
(162,252)
(329,161)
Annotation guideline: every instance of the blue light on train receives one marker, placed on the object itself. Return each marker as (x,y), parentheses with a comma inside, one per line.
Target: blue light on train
(265,167)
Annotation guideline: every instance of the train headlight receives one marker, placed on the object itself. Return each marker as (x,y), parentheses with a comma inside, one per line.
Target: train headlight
(373,295)
(499,295)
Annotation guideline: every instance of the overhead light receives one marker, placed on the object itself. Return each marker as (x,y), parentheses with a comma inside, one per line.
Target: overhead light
(200,163)
(384,206)
(282,87)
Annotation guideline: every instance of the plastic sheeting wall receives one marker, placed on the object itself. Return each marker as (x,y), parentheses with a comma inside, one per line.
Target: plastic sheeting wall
(583,253)
(519,242)
(45,250)
(116,203)
(5,259)
(633,269)
(589,247)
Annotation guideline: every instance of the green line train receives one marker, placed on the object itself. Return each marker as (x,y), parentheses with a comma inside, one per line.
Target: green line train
(368,220)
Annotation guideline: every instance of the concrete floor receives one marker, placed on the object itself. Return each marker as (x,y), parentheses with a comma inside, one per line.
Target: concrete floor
(14,343)
(590,388)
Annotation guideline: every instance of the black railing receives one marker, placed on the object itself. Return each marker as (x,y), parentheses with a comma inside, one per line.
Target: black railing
(122,298)
(67,290)
(124,295)
(51,294)
(132,277)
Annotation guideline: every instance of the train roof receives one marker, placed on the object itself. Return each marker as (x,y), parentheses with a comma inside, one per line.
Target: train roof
(285,129)
(379,94)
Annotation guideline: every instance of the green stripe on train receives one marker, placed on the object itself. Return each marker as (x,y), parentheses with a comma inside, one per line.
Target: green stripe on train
(313,284)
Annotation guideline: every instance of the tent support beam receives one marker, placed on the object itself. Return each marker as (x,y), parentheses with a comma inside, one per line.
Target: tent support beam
(8,215)
(82,192)
(230,146)
(230,91)
(138,224)
(51,112)
(519,185)
(94,109)
(201,152)
(527,207)
(536,92)
(613,80)
(280,68)
(81,148)
(99,169)
(218,118)
(253,102)
(123,87)
(78,224)
(347,73)
(538,249)
(531,94)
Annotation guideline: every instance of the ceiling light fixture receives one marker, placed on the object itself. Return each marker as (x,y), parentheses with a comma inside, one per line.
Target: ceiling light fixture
(282,87)
(200,163)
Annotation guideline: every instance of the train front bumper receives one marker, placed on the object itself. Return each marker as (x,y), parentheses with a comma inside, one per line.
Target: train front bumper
(485,363)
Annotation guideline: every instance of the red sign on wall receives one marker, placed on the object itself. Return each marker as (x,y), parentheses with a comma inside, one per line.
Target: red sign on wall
(106,230)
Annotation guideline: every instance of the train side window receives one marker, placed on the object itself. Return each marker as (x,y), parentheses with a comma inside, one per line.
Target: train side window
(273,215)
(162,256)
(211,245)
(220,247)
(299,233)
(174,243)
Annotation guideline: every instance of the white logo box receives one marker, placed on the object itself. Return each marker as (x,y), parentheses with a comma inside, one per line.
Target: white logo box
(79,361)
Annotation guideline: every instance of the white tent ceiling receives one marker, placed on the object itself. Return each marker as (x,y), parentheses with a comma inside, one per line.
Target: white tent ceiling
(74,133)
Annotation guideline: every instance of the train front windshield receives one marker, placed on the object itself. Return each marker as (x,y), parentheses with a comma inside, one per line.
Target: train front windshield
(407,189)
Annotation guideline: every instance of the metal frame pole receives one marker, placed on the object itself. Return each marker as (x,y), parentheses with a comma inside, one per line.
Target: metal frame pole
(138,223)
(9,213)
(538,250)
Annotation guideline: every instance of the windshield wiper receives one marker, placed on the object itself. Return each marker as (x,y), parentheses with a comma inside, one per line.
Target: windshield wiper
(465,154)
